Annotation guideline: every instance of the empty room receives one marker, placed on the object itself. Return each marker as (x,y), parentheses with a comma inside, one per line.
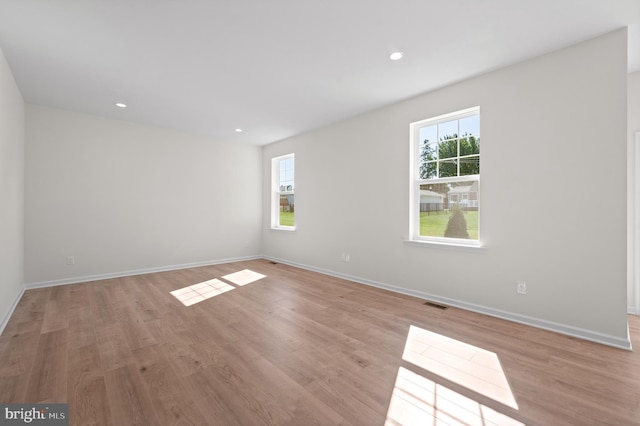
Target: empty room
(320,213)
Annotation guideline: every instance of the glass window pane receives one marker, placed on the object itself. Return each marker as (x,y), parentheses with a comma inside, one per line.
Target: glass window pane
(432,197)
(469,145)
(456,153)
(282,208)
(470,166)
(449,210)
(428,134)
(428,152)
(448,130)
(448,168)
(428,170)
(448,148)
(470,125)
(287,211)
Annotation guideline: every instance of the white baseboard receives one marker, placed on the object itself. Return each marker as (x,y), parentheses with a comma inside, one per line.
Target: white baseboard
(568,330)
(74,280)
(7,316)
(633,310)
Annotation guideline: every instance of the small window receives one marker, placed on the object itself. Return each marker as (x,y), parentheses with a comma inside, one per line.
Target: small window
(445,183)
(283,201)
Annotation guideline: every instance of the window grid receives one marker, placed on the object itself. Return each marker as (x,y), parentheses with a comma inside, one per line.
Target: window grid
(283,201)
(446,166)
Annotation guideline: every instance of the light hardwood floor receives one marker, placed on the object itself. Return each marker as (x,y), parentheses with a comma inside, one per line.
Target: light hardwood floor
(299,348)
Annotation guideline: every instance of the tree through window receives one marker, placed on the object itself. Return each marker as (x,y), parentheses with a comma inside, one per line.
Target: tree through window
(446,183)
(283,182)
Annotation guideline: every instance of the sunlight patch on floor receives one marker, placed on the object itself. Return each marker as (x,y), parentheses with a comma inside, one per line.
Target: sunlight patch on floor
(202,291)
(243,277)
(417,400)
(474,368)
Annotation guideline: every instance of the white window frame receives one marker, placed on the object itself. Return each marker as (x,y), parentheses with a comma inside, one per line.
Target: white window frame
(277,192)
(416,181)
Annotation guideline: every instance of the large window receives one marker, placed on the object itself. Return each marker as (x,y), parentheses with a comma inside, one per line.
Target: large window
(283,183)
(445,201)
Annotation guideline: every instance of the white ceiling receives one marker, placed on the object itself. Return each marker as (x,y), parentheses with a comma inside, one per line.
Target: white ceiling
(277,68)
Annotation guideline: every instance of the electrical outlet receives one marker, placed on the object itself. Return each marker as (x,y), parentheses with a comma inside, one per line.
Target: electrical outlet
(71,260)
(347,258)
(521,287)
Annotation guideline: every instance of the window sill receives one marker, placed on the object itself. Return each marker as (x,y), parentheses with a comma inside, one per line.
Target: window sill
(292,229)
(474,248)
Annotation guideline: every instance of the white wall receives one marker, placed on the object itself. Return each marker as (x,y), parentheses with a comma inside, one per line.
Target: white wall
(633,126)
(553,138)
(124,197)
(11,190)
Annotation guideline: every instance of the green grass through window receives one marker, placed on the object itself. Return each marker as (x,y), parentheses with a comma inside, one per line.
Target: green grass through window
(433,224)
(287,219)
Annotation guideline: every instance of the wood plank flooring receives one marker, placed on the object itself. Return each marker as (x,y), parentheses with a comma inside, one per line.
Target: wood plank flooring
(300,348)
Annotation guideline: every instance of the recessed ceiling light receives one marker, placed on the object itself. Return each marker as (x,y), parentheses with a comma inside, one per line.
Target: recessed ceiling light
(121,105)
(396,56)
(238,130)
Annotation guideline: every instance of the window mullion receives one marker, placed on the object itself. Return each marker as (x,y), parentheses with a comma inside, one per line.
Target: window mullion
(437,155)
(458,156)
(458,149)
(436,198)
(284,187)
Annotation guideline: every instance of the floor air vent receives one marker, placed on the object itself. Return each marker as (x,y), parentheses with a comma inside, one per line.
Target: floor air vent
(435,305)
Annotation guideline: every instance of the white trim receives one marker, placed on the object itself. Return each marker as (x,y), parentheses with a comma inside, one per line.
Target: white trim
(284,228)
(463,178)
(449,244)
(415,182)
(568,330)
(98,277)
(635,308)
(276,192)
(12,308)
(455,242)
